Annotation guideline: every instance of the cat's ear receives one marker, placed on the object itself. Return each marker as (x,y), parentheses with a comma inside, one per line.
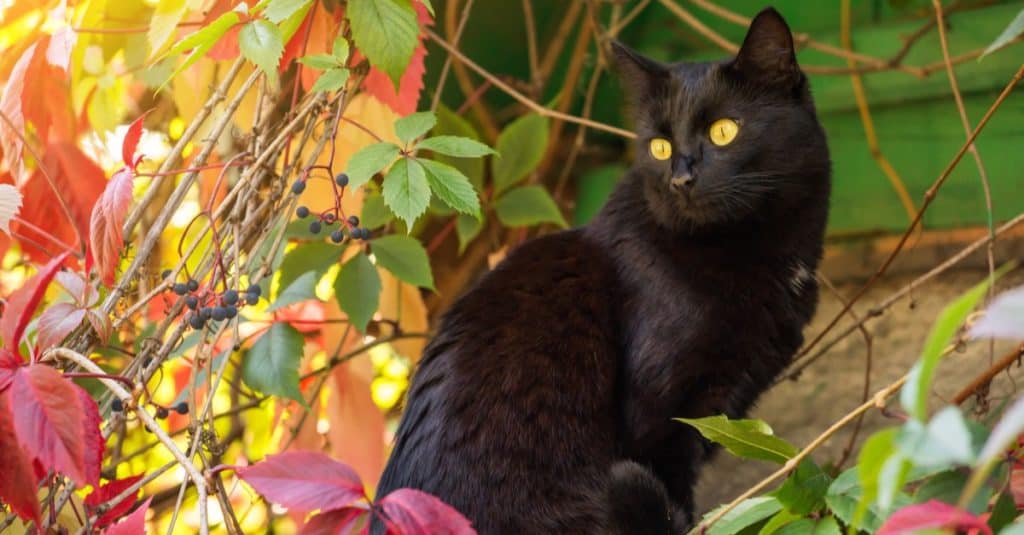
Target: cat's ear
(767,54)
(641,76)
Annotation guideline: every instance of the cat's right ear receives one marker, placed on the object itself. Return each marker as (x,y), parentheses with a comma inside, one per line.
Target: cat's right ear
(641,76)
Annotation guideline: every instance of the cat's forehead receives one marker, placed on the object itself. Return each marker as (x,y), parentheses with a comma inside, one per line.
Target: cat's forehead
(694,87)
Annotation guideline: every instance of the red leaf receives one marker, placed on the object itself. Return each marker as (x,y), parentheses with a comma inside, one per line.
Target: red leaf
(78,181)
(9,363)
(403,101)
(22,304)
(18,482)
(92,438)
(133,524)
(131,142)
(46,103)
(108,491)
(932,514)
(10,104)
(50,421)
(56,323)
(414,512)
(105,238)
(336,522)
(304,481)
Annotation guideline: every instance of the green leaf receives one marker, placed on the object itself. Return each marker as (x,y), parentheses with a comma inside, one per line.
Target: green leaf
(467,227)
(452,187)
(459,147)
(845,500)
(406,190)
(946,487)
(386,31)
(414,125)
(301,289)
(261,43)
(776,522)
(357,290)
(1003,512)
(943,442)
(804,491)
(880,468)
(331,80)
(451,124)
(808,526)
(375,214)
(405,258)
(279,10)
(166,16)
(340,49)
(429,6)
(369,160)
(1013,31)
(315,256)
(527,206)
(201,41)
(522,145)
(747,513)
(272,365)
(747,439)
(319,61)
(914,395)
(1013,529)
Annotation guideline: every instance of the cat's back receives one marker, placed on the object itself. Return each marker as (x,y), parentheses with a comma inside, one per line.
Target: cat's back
(512,406)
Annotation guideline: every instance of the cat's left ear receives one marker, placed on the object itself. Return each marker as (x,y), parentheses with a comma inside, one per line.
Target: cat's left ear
(643,77)
(767,55)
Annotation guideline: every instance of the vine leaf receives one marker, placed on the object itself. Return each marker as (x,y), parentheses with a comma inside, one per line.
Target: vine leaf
(747,513)
(133,524)
(404,257)
(334,521)
(357,289)
(406,190)
(105,237)
(166,16)
(403,100)
(10,204)
(460,147)
(57,322)
(22,303)
(932,514)
(131,142)
(279,10)
(16,468)
(261,43)
(413,511)
(452,187)
(108,491)
(386,32)
(369,160)
(748,439)
(527,206)
(304,481)
(201,41)
(522,145)
(272,365)
(414,125)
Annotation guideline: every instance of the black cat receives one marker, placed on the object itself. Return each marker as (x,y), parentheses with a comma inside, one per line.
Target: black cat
(545,403)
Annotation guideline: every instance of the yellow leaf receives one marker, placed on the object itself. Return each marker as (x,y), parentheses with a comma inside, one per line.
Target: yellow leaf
(165,20)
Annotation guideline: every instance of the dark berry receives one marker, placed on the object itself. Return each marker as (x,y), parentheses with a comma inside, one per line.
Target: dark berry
(117,405)
(165,274)
(364,233)
(353,220)
(180,288)
(196,321)
(314,227)
(329,219)
(252,299)
(191,301)
(230,297)
(337,236)
(181,408)
(205,313)
(299,186)
(254,289)
(161,412)
(302,212)
(341,179)
(219,313)
(231,311)
(193,285)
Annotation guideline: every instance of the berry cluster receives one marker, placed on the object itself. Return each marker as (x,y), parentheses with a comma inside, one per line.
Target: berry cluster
(329,218)
(161,412)
(211,306)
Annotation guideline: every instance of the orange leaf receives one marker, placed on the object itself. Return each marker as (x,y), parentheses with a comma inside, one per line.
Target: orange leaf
(12,130)
(403,101)
(105,237)
(17,486)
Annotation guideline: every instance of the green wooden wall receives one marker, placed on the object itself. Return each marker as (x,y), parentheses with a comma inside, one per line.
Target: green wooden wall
(916,119)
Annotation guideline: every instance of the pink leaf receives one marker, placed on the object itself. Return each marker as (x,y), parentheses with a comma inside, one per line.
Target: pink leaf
(22,304)
(56,323)
(932,514)
(101,323)
(18,483)
(84,293)
(9,363)
(108,491)
(131,141)
(414,512)
(378,84)
(304,481)
(133,524)
(10,104)
(58,53)
(336,522)
(50,421)
(92,437)
(10,204)
(105,236)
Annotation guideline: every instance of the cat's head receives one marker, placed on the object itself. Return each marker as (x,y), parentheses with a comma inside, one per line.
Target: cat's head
(719,141)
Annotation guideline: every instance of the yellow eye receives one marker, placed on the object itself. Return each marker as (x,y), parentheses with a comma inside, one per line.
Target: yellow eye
(660,148)
(723,131)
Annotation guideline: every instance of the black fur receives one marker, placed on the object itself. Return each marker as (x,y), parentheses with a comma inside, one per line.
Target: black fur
(545,403)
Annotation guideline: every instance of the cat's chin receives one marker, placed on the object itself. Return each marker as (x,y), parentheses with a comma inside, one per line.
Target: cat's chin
(680,212)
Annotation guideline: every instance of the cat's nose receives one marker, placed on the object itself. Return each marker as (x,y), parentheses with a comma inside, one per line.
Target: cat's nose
(682,182)
(683,172)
